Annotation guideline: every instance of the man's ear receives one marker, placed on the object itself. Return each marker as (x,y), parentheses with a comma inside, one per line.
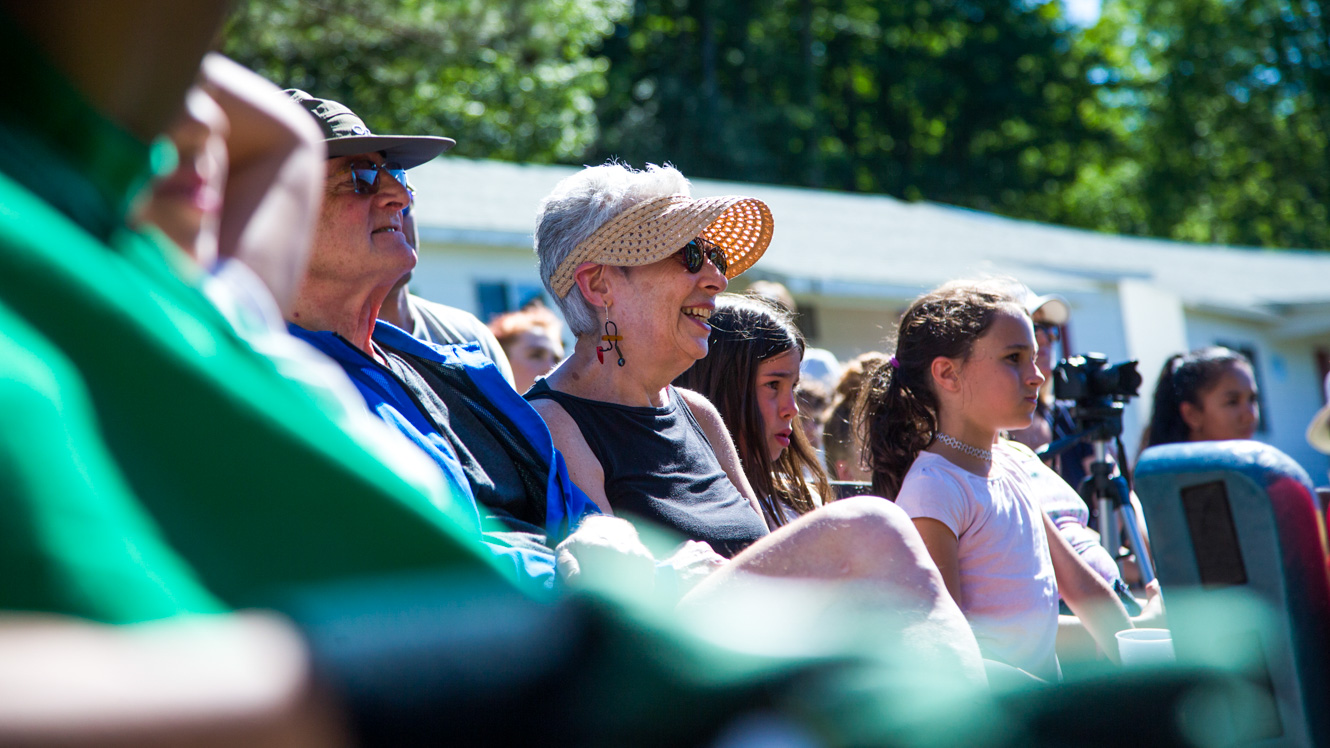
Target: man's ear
(946,373)
(590,278)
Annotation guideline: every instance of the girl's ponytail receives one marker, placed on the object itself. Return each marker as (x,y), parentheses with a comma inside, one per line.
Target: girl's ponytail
(1166,424)
(897,422)
(897,410)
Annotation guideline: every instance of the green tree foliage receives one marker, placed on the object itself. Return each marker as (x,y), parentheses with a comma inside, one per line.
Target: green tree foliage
(972,102)
(509,79)
(1202,120)
(1222,109)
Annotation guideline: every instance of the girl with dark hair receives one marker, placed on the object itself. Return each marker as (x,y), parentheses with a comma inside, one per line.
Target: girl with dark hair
(963,371)
(750,373)
(1206,395)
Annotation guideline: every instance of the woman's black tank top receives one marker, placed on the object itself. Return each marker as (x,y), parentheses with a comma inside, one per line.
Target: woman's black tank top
(660,466)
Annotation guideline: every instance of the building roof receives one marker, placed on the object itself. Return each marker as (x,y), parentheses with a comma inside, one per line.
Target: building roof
(843,244)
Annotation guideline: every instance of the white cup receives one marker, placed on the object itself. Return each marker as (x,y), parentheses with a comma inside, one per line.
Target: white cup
(1145,646)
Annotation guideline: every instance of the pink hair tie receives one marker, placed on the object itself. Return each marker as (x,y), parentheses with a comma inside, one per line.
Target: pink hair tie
(894,362)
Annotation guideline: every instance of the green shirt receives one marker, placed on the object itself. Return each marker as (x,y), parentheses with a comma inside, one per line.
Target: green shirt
(244,474)
(73,539)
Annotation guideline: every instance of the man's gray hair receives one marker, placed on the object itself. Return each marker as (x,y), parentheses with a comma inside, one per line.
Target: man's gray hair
(583,203)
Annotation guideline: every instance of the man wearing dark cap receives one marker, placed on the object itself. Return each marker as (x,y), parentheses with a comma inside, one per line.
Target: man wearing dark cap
(347,136)
(504,458)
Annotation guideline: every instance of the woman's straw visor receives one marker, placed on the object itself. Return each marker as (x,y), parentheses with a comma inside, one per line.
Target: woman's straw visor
(656,229)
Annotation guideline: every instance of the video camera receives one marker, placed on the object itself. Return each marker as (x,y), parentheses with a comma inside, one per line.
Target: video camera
(1099,392)
(1089,380)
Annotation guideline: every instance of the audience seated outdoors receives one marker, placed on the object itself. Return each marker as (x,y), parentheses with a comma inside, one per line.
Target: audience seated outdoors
(532,339)
(751,375)
(451,402)
(119,510)
(204,413)
(635,246)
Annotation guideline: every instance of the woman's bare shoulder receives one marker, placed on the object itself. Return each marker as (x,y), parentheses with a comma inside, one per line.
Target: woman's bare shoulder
(703,409)
(563,428)
(583,466)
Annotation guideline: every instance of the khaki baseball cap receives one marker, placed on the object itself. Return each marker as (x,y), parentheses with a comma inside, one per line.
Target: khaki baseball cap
(347,135)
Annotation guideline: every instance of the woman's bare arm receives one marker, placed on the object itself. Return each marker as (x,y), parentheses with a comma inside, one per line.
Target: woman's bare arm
(583,467)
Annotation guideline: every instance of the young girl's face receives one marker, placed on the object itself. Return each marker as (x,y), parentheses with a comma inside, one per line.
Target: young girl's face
(1228,407)
(1000,380)
(776,379)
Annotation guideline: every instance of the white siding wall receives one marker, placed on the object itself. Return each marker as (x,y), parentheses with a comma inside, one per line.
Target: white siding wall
(849,327)
(449,274)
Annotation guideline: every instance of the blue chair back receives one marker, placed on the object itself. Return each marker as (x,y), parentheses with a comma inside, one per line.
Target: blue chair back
(1241,515)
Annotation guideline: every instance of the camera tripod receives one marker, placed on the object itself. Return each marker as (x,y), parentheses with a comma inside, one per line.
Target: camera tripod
(1109,494)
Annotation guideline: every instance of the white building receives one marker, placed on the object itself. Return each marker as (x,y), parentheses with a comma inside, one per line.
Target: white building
(854,262)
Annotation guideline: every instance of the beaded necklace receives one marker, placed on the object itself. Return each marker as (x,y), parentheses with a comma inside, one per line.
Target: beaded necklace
(984,454)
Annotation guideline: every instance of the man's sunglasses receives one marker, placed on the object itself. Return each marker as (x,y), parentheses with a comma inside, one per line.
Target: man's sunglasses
(1053,332)
(365,176)
(694,253)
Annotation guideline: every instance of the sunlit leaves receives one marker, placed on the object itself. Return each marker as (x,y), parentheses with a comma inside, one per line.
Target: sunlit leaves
(508,79)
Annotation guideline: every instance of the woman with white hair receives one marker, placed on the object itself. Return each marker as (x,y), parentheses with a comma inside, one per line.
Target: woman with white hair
(636,264)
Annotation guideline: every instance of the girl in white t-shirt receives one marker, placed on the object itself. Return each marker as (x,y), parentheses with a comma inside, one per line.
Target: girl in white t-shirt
(963,371)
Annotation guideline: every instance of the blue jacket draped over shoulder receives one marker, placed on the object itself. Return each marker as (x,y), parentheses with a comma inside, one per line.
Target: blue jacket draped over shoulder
(566,505)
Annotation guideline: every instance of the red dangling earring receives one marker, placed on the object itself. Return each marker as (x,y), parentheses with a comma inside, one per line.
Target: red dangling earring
(612,337)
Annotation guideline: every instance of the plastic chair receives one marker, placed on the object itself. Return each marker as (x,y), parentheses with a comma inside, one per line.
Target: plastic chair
(1241,516)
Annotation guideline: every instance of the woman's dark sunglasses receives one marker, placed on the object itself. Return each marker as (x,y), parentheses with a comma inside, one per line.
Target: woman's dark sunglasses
(365,176)
(1053,332)
(694,253)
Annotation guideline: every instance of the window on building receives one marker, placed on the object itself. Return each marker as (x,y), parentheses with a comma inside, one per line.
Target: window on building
(497,297)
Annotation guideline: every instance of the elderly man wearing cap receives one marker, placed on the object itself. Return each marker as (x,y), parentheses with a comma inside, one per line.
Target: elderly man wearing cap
(350,144)
(435,396)
(454,404)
